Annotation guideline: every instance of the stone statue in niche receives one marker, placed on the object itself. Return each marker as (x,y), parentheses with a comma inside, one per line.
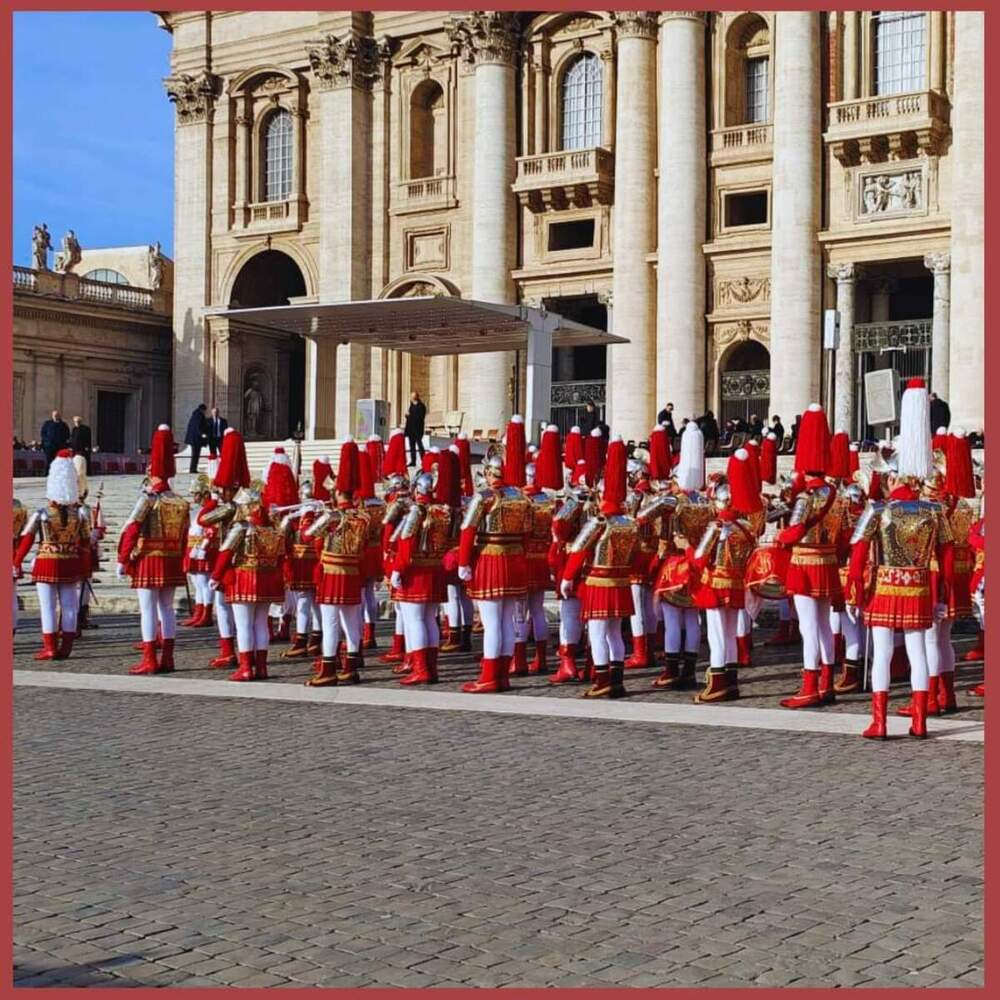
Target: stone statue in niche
(253,407)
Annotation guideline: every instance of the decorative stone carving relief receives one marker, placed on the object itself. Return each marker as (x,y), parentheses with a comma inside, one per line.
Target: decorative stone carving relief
(193,96)
(726,334)
(427,249)
(352,61)
(484,36)
(741,291)
(891,193)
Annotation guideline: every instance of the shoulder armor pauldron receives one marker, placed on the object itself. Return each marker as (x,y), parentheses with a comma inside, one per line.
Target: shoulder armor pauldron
(655,507)
(475,511)
(234,536)
(868,521)
(587,535)
(412,522)
(141,509)
(801,509)
(220,513)
(708,539)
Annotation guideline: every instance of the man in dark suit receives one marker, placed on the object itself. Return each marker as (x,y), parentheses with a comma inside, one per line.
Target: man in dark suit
(940,413)
(55,435)
(194,436)
(80,440)
(414,427)
(589,419)
(217,425)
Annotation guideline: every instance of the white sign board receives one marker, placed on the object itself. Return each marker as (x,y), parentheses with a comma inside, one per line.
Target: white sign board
(882,396)
(831,330)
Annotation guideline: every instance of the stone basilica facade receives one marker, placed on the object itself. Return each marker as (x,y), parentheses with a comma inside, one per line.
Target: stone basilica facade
(706,185)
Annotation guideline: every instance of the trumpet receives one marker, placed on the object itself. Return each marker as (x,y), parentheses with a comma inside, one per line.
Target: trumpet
(296,509)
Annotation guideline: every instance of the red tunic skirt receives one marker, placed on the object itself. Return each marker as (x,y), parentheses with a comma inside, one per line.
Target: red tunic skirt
(903,599)
(814,571)
(62,564)
(500,572)
(717,589)
(371,562)
(539,576)
(159,565)
(424,582)
(959,595)
(340,580)
(606,593)
(303,563)
(262,585)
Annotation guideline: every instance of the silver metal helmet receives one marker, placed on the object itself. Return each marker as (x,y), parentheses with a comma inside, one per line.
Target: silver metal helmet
(397,483)
(721,496)
(529,473)
(247,496)
(423,482)
(493,466)
(306,489)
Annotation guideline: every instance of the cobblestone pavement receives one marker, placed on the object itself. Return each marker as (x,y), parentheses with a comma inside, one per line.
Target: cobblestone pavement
(775,674)
(195,841)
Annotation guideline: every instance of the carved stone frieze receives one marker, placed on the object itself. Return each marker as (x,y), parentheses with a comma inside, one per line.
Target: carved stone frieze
(193,96)
(725,334)
(889,193)
(742,291)
(484,36)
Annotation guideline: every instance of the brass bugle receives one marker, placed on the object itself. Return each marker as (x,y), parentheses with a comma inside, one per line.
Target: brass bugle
(298,508)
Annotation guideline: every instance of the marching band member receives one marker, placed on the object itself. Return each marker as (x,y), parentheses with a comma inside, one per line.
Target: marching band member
(599,564)
(232,473)
(19,520)
(300,573)
(151,552)
(718,565)
(901,536)
(98,529)
(397,499)
(643,621)
(197,560)
(62,528)
(815,532)
(491,557)
(371,566)
(341,537)
(418,576)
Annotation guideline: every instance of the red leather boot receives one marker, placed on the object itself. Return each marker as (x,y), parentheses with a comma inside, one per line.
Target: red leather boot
(826,691)
(539,665)
(566,671)
(880,703)
(946,693)
(66,640)
(206,617)
(808,694)
(519,662)
(260,665)
(716,687)
(671,672)
(639,660)
(849,680)
(48,650)
(196,612)
(138,646)
(503,673)
(978,690)
(326,676)
(350,668)
(244,672)
(396,651)
(298,650)
(405,666)
(148,664)
(907,710)
(449,640)
(743,646)
(314,644)
(227,655)
(368,636)
(918,721)
(978,651)
(487,682)
(421,672)
(601,686)
(167,657)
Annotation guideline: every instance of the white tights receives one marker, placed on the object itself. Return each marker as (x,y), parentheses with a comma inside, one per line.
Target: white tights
(939,650)
(202,592)
(498,626)
(606,642)
(643,620)
(536,615)
(252,632)
(459,608)
(224,616)
(570,626)
(720,624)
(420,626)
(341,619)
(369,602)
(677,620)
(854,633)
(307,617)
(58,601)
(814,625)
(157,605)
(882,647)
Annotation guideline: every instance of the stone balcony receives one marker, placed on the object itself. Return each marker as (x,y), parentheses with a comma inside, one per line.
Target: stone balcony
(573,178)
(71,287)
(897,126)
(425,194)
(742,143)
(270,216)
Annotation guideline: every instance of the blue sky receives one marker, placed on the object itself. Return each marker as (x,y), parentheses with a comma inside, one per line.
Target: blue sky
(93,129)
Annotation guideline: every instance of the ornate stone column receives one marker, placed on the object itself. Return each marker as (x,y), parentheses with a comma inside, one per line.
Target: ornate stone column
(796,274)
(344,69)
(488,43)
(242,171)
(680,299)
(540,63)
(966,376)
(608,100)
(843,414)
(939,264)
(193,95)
(632,366)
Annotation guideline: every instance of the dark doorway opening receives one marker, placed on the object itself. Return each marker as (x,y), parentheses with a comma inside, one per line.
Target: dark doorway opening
(111,412)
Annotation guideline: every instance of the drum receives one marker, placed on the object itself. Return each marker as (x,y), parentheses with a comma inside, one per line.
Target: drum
(674,581)
(767,570)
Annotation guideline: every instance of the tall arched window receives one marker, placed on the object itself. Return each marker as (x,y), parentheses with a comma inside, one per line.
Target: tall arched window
(755,75)
(428,131)
(278,156)
(899,51)
(581,103)
(748,75)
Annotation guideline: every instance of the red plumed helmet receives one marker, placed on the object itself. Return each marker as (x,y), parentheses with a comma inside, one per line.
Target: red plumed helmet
(429,459)
(348,473)
(660,459)
(853,458)
(280,489)
(744,490)
(615,484)
(769,459)
(366,476)
(548,463)
(573,449)
(465,464)
(322,471)
(959,480)
(448,489)
(593,455)
(579,475)
(394,462)
(839,466)
(233,471)
(812,447)
(376,452)
(753,450)
(161,454)
(515,449)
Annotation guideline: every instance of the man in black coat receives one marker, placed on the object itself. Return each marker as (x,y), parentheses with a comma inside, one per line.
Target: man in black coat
(54,435)
(195,434)
(940,413)
(215,428)
(589,419)
(666,418)
(80,440)
(414,427)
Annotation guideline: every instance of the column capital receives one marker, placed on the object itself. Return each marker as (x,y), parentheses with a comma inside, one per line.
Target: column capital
(635,23)
(351,61)
(938,262)
(482,37)
(193,96)
(848,272)
(683,15)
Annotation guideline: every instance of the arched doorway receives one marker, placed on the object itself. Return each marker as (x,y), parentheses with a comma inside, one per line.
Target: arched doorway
(272,376)
(745,383)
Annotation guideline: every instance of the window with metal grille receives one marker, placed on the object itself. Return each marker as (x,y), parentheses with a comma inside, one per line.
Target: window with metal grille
(581,103)
(900,47)
(278,156)
(756,89)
